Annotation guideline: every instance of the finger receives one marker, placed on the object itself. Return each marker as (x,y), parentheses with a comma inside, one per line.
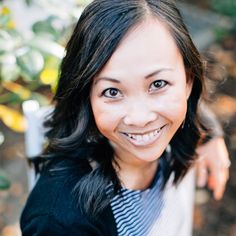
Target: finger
(202,175)
(224,178)
(219,184)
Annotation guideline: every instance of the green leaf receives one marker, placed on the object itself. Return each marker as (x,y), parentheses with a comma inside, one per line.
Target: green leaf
(9,97)
(31,62)
(43,100)
(48,27)
(4,19)
(9,69)
(4,182)
(52,62)
(29,2)
(9,72)
(47,46)
(6,42)
(226,7)
(84,2)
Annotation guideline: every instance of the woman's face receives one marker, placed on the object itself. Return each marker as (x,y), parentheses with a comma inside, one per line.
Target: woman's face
(139,99)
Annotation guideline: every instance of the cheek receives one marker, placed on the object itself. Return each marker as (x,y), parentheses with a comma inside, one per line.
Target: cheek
(174,106)
(106,118)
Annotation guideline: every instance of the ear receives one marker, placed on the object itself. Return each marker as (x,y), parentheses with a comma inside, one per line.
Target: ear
(189,83)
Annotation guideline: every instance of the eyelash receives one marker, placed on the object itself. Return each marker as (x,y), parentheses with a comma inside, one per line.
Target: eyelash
(104,93)
(117,91)
(163,84)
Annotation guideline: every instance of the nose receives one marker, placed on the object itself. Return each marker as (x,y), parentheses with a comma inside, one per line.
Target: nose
(140,114)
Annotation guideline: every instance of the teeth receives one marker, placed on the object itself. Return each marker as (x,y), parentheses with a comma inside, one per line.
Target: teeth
(157,131)
(145,137)
(151,135)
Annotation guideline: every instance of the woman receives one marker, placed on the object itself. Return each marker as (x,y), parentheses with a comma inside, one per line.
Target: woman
(124,130)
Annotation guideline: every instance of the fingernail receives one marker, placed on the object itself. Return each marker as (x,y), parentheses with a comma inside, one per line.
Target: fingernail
(201,183)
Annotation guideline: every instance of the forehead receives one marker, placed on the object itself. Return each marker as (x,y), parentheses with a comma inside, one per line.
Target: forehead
(146,46)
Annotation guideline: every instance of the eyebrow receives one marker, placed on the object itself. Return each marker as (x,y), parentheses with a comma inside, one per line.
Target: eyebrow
(107,79)
(157,72)
(146,77)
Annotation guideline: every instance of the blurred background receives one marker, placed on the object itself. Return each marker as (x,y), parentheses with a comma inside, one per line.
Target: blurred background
(33,34)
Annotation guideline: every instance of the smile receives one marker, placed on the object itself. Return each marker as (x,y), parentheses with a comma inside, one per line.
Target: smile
(144,138)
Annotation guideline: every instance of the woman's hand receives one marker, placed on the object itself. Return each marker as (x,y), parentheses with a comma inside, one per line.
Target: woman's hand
(213,166)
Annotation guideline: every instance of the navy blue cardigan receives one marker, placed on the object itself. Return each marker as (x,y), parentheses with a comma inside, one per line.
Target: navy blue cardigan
(51,209)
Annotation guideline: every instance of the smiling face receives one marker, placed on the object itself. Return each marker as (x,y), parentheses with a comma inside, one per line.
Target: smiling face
(139,98)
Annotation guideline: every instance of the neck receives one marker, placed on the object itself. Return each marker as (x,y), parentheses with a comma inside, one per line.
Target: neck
(138,176)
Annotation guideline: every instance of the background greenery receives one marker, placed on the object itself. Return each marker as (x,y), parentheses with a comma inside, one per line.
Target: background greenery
(29,60)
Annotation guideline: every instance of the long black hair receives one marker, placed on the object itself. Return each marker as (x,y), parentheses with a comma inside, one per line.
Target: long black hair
(72,130)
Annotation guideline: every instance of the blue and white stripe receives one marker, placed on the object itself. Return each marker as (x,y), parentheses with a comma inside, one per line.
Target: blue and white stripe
(152,212)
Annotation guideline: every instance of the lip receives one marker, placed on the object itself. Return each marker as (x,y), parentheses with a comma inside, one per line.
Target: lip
(145,138)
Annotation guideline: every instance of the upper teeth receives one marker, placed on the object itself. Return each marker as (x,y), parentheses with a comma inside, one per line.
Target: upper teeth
(144,137)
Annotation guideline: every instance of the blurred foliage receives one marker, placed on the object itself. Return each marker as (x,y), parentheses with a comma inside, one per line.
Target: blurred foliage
(29,61)
(55,2)
(221,33)
(4,182)
(226,7)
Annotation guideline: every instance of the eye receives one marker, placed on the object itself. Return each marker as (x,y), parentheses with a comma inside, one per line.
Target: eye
(158,84)
(111,93)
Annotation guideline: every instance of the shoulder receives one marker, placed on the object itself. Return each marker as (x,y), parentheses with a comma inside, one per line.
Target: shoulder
(52,208)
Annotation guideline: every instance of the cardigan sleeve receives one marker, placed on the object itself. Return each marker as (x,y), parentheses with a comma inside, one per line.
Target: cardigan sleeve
(52,208)
(44,225)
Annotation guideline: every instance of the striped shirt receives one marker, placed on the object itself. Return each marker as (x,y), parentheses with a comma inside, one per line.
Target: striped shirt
(150,212)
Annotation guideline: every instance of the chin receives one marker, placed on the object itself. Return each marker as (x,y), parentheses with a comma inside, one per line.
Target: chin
(149,157)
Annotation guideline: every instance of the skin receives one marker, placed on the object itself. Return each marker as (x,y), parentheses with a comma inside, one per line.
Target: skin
(213,166)
(142,89)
